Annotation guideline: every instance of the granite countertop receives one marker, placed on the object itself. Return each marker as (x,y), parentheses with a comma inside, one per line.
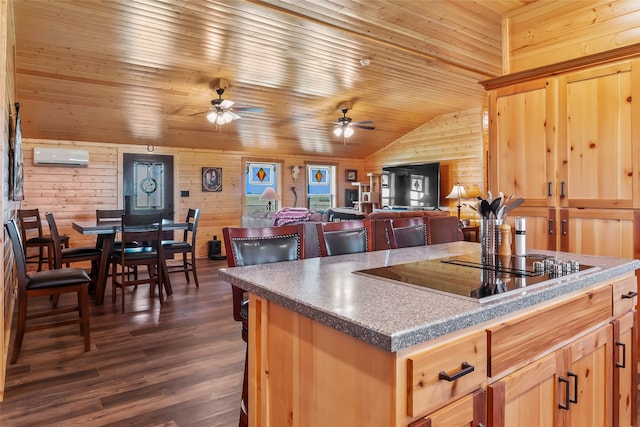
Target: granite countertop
(393,315)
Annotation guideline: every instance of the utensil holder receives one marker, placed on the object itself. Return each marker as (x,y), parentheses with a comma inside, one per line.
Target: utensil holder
(490,238)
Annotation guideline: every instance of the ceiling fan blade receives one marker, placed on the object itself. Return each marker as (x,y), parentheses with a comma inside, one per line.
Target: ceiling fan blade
(234,115)
(363,127)
(226,104)
(363,122)
(250,109)
(197,114)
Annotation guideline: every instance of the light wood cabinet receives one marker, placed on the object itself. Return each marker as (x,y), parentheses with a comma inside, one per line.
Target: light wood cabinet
(596,162)
(522,143)
(604,232)
(568,362)
(531,390)
(584,385)
(625,378)
(469,411)
(567,142)
(570,386)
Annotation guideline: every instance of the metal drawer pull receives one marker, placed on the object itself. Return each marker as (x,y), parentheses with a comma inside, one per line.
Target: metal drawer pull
(575,387)
(630,294)
(624,355)
(565,405)
(466,369)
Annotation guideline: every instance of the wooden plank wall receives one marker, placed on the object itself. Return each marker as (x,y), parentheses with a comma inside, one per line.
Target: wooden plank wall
(73,194)
(7,99)
(457,140)
(544,33)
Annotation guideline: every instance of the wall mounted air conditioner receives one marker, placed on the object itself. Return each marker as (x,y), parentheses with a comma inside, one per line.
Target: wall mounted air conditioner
(68,157)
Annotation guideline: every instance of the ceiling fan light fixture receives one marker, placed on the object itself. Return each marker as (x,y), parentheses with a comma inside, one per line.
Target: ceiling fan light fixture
(212,116)
(220,120)
(337,131)
(228,117)
(348,131)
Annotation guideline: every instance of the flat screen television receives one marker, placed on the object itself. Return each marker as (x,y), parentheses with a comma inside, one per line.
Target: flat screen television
(411,186)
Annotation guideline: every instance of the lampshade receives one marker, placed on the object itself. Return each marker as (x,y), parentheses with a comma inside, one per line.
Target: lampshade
(269,194)
(457,192)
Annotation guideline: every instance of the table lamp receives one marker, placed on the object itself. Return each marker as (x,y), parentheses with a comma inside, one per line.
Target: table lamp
(269,194)
(457,192)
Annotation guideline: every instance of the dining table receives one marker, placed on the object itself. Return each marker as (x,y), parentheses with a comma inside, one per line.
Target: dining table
(106,234)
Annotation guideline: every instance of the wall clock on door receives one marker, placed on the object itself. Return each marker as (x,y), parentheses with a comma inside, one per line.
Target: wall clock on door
(148,185)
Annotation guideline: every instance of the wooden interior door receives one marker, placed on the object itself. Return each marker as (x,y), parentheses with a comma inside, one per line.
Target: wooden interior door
(148,184)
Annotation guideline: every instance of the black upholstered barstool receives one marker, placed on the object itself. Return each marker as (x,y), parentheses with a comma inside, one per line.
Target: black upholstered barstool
(251,246)
(344,237)
(406,232)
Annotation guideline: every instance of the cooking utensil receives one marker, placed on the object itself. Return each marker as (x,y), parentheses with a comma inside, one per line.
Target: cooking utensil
(485,209)
(495,205)
(517,202)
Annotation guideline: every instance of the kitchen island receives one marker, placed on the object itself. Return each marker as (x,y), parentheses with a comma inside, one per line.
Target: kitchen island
(332,347)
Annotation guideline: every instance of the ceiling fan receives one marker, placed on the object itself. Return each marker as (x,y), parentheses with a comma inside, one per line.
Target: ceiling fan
(222,110)
(345,125)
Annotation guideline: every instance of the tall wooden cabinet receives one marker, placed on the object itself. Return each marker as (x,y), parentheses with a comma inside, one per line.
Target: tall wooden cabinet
(566,143)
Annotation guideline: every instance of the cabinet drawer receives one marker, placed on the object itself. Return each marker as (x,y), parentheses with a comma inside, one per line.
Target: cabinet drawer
(625,295)
(445,373)
(516,341)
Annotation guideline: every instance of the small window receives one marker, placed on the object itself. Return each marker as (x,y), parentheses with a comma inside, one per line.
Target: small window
(321,190)
(261,189)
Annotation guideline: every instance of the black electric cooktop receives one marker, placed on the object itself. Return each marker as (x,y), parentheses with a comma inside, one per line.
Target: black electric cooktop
(482,280)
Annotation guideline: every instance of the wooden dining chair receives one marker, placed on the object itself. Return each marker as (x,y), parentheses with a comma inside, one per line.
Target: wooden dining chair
(186,247)
(66,256)
(406,232)
(34,238)
(252,246)
(146,229)
(344,237)
(47,283)
(114,216)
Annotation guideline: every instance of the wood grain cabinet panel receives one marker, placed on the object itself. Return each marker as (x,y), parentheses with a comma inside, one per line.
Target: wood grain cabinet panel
(517,341)
(446,373)
(597,165)
(522,147)
(467,411)
(625,378)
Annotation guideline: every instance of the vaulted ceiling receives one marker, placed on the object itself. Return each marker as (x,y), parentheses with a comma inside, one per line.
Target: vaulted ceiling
(144,71)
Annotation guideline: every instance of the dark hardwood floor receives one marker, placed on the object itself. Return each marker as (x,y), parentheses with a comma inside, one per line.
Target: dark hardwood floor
(176,366)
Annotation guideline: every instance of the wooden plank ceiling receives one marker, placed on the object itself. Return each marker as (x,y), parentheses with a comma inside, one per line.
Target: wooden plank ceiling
(139,71)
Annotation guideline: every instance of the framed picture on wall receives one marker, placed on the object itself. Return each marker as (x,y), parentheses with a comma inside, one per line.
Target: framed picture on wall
(16,166)
(211,179)
(351,175)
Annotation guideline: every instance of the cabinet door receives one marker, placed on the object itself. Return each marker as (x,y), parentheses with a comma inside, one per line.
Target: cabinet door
(602,232)
(522,143)
(468,411)
(599,167)
(541,227)
(625,383)
(585,385)
(527,394)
